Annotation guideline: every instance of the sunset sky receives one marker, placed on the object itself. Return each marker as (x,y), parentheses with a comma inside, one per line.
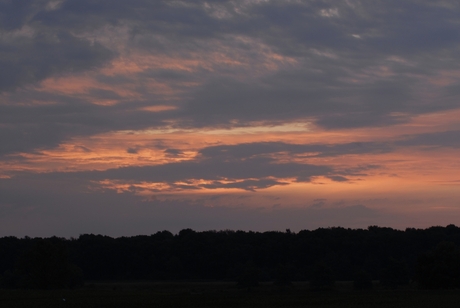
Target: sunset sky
(130,117)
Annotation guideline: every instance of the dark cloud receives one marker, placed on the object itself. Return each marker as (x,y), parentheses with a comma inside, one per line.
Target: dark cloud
(28,138)
(338,178)
(446,139)
(132,151)
(417,27)
(250,185)
(25,60)
(165,74)
(173,152)
(14,14)
(337,80)
(318,203)
(32,127)
(82,149)
(359,119)
(245,150)
(331,101)
(214,170)
(103,94)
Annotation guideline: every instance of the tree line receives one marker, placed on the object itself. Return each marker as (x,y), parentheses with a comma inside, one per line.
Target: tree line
(430,257)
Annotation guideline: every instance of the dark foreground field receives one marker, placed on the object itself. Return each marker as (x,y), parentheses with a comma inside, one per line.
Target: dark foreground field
(224,295)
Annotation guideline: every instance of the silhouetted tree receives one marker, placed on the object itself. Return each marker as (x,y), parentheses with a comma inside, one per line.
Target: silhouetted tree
(249,277)
(322,277)
(439,269)
(223,254)
(394,274)
(46,266)
(283,275)
(10,279)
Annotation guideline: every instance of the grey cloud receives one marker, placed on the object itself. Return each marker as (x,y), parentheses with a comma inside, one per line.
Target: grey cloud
(82,148)
(452,90)
(14,14)
(250,185)
(318,203)
(104,94)
(391,27)
(173,152)
(388,27)
(245,150)
(132,151)
(146,17)
(321,90)
(338,178)
(333,104)
(25,60)
(418,26)
(450,139)
(28,138)
(213,169)
(27,128)
(114,80)
(165,74)
(322,87)
(359,119)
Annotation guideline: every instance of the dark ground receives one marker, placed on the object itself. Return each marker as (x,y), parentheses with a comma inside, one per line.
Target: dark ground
(225,294)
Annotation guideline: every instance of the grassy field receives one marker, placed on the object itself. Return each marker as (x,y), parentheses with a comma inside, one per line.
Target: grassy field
(217,294)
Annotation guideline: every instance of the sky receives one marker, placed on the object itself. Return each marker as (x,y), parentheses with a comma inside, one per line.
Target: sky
(131,117)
